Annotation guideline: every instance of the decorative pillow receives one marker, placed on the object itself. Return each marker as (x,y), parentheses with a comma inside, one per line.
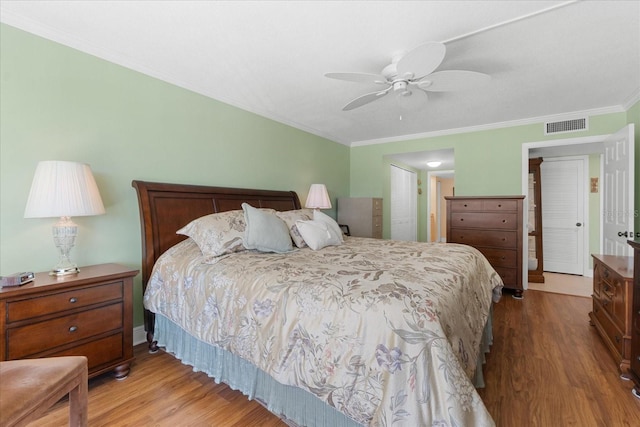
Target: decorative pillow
(317,234)
(290,218)
(265,231)
(217,234)
(334,228)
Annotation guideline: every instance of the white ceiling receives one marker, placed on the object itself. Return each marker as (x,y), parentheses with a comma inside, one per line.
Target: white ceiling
(545,57)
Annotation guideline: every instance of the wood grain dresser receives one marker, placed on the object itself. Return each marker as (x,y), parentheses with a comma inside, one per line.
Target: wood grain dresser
(493,225)
(85,314)
(612,298)
(363,215)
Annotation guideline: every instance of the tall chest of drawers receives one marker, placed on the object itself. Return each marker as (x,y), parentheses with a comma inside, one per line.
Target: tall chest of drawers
(493,225)
(85,314)
(612,298)
(363,215)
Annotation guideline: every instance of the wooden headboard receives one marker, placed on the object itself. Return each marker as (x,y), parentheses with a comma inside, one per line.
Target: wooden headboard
(165,208)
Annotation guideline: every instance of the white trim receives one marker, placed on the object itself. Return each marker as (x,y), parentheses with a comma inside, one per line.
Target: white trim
(526,146)
(633,98)
(139,335)
(492,126)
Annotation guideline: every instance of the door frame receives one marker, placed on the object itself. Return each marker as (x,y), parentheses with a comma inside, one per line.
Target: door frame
(525,190)
(431,174)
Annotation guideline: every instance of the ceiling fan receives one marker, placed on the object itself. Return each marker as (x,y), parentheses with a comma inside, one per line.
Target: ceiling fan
(411,76)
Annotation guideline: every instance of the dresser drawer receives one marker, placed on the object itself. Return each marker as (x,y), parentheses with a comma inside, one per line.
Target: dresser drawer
(465,205)
(495,220)
(41,336)
(377,207)
(474,237)
(500,257)
(54,303)
(499,205)
(613,334)
(509,276)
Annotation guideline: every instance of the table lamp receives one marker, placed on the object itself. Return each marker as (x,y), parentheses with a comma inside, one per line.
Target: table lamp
(63,189)
(318,197)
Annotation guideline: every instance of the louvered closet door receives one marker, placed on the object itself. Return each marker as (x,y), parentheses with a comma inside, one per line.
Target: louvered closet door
(563,214)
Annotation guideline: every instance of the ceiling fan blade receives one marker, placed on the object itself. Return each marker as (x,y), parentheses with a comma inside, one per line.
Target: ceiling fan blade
(412,99)
(452,80)
(358,77)
(422,60)
(365,99)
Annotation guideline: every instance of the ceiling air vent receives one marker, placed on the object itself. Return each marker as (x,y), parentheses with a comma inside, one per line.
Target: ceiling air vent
(565,126)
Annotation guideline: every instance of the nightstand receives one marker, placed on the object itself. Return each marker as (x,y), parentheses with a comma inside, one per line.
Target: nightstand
(85,314)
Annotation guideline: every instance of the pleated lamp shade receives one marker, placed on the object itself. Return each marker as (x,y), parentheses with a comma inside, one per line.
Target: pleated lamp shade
(318,197)
(61,189)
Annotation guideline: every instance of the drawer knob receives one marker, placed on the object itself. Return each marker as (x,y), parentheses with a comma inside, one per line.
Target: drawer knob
(73,329)
(73,300)
(504,221)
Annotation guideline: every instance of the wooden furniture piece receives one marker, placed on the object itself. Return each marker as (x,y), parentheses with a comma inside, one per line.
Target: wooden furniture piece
(612,298)
(535,222)
(634,356)
(493,225)
(29,387)
(85,314)
(363,215)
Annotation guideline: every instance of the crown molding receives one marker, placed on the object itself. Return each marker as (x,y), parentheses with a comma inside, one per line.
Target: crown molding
(493,126)
(632,99)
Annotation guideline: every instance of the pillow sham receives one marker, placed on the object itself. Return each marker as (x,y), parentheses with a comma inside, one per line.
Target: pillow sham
(334,228)
(217,234)
(290,218)
(317,234)
(265,231)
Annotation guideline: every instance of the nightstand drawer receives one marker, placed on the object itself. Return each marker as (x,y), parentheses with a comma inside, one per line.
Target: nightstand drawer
(54,303)
(99,352)
(41,336)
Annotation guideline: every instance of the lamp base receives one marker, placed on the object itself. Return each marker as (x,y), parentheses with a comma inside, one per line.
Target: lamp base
(59,271)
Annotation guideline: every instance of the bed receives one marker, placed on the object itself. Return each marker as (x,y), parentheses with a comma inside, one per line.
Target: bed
(362,332)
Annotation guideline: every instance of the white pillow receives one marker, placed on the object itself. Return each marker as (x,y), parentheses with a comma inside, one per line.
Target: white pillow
(334,228)
(316,234)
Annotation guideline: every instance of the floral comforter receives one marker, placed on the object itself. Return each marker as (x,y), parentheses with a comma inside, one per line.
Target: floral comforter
(387,332)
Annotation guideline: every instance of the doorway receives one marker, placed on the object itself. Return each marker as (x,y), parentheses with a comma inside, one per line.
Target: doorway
(595,147)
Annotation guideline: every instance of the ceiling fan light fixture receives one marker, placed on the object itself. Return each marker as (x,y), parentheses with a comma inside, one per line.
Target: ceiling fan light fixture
(434,164)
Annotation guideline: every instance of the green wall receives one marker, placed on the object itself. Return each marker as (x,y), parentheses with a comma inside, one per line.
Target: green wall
(60,104)
(486,162)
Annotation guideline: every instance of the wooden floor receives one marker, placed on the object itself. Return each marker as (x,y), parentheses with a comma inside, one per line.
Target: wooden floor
(547,367)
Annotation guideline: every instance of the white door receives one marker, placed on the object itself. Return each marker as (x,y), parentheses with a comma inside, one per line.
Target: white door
(617,186)
(403,204)
(563,216)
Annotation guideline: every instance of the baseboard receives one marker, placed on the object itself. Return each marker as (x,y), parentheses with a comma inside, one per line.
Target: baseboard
(139,335)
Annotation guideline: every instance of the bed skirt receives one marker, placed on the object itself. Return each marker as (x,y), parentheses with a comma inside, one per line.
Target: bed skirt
(294,406)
